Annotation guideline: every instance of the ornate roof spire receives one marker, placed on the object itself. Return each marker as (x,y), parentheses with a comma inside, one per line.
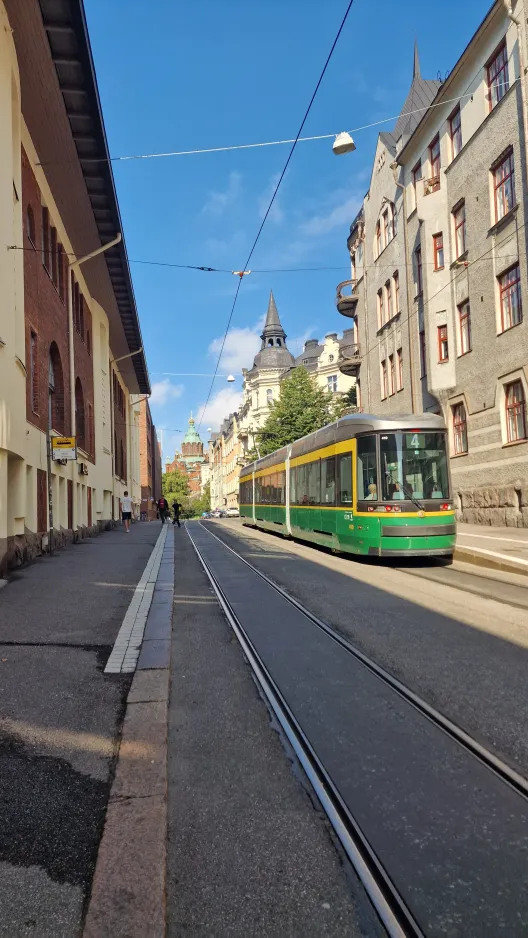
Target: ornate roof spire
(416,66)
(273,327)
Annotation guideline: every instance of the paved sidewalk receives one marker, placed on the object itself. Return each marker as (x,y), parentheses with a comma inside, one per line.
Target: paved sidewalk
(60,718)
(498,548)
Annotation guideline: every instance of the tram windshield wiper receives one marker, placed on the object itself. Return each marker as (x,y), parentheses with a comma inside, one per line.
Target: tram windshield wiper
(406,491)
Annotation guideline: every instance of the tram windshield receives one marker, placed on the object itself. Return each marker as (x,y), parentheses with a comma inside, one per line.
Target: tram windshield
(413,463)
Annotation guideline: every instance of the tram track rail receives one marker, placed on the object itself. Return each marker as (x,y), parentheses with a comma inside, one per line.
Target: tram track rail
(392,910)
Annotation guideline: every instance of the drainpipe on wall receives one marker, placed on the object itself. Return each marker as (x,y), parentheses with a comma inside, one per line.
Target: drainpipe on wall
(71,268)
(394,167)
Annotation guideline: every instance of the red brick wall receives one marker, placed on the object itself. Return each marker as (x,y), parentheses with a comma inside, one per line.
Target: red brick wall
(46,317)
(46,314)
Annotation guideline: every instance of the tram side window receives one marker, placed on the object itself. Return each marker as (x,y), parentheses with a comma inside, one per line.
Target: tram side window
(367,471)
(328,481)
(302,485)
(314,482)
(293,486)
(345,479)
(258,491)
(274,489)
(281,488)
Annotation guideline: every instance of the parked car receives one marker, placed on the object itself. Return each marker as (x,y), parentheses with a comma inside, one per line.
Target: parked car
(232,513)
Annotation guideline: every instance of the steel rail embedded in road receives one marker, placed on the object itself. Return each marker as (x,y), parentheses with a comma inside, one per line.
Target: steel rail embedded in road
(391,909)
(492,762)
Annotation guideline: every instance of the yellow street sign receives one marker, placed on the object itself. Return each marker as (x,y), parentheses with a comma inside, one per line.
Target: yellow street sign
(64,447)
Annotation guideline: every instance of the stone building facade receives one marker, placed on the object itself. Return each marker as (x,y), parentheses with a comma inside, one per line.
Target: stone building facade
(71,359)
(463,170)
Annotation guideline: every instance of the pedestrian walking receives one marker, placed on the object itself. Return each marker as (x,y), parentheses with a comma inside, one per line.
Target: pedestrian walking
(163,508)
(126,511)
(176,509)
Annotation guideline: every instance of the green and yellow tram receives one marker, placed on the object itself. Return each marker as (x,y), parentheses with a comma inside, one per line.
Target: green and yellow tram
(366,485)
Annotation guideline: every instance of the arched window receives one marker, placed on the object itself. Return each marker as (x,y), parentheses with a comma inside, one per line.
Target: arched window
(55,390)
(30,226)
(269,395)
(270,343)
(88,342)
(279,343)
(80,420)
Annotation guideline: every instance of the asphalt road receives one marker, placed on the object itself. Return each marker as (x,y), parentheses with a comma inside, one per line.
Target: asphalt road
(59,720)
(465,654)
(452,835)
(249,852)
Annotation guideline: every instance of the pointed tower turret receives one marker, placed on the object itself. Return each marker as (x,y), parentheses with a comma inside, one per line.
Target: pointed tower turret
(416,67)
(273,351)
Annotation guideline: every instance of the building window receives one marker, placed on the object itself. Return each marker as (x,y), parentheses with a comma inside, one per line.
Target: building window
(416,175)
(455,133)
(54,258)
(380,308)
(30,226)
(88,342)
(330,358)
(419,279)
(396,279)
(438,250)
(55,390)
(33,362)
(388,299)
(45,238)
(510,298)
(443,347)
(269,395)
(81,316)
(459,429)
(331,382)
(388,226)
(504,186)
(497,76)
(383,379)
(378,239)
(459,220)
(434,160)
(423,355)
(353,266)
(392,375)
(515,412)
(464,321)
(399,356)
(80,421)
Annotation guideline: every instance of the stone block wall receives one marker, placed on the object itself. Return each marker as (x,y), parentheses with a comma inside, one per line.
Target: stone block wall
(499,506)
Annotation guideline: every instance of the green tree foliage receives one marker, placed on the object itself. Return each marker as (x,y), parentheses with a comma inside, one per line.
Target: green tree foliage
(203,503)
(302,407)
(175,486)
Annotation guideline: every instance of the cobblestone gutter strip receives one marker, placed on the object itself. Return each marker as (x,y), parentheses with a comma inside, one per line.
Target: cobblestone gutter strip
(128,898)
(125,653)
(491,560)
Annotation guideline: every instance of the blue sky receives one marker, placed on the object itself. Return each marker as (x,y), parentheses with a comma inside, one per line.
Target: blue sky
(178,76)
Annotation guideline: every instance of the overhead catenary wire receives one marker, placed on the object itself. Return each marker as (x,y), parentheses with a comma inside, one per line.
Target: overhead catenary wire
(273,197)
(275,143)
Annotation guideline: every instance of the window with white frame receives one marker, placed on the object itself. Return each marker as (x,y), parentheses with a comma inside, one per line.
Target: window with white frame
(464,327)
(459,223)
(515,402)
(331,383)
(460,442)
(504,186)
(383,379)
(497,75)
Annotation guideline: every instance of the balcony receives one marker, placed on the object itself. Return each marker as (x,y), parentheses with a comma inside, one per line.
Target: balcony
(431,185)
(347,302)
(349,360)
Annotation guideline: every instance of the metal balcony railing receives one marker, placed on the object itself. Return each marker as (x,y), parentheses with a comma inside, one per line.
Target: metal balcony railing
(347,302)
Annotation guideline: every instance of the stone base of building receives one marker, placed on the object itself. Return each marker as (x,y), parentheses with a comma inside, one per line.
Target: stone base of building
(21,549)
(499,506)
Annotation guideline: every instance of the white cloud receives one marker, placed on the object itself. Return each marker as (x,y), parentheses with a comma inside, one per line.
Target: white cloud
(342,214)
(217,202)
(220,405)
(276,212)
(165,391)
(241,346)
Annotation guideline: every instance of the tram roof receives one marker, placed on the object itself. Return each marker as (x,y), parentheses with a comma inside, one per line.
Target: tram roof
(347,427)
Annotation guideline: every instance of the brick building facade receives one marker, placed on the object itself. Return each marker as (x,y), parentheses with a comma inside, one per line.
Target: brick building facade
(150,463)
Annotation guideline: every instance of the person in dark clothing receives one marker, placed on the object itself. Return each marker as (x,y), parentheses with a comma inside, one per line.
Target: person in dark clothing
(163,508)
(176,507)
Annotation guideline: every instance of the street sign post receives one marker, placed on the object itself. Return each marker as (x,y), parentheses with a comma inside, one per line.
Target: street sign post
(64,447)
